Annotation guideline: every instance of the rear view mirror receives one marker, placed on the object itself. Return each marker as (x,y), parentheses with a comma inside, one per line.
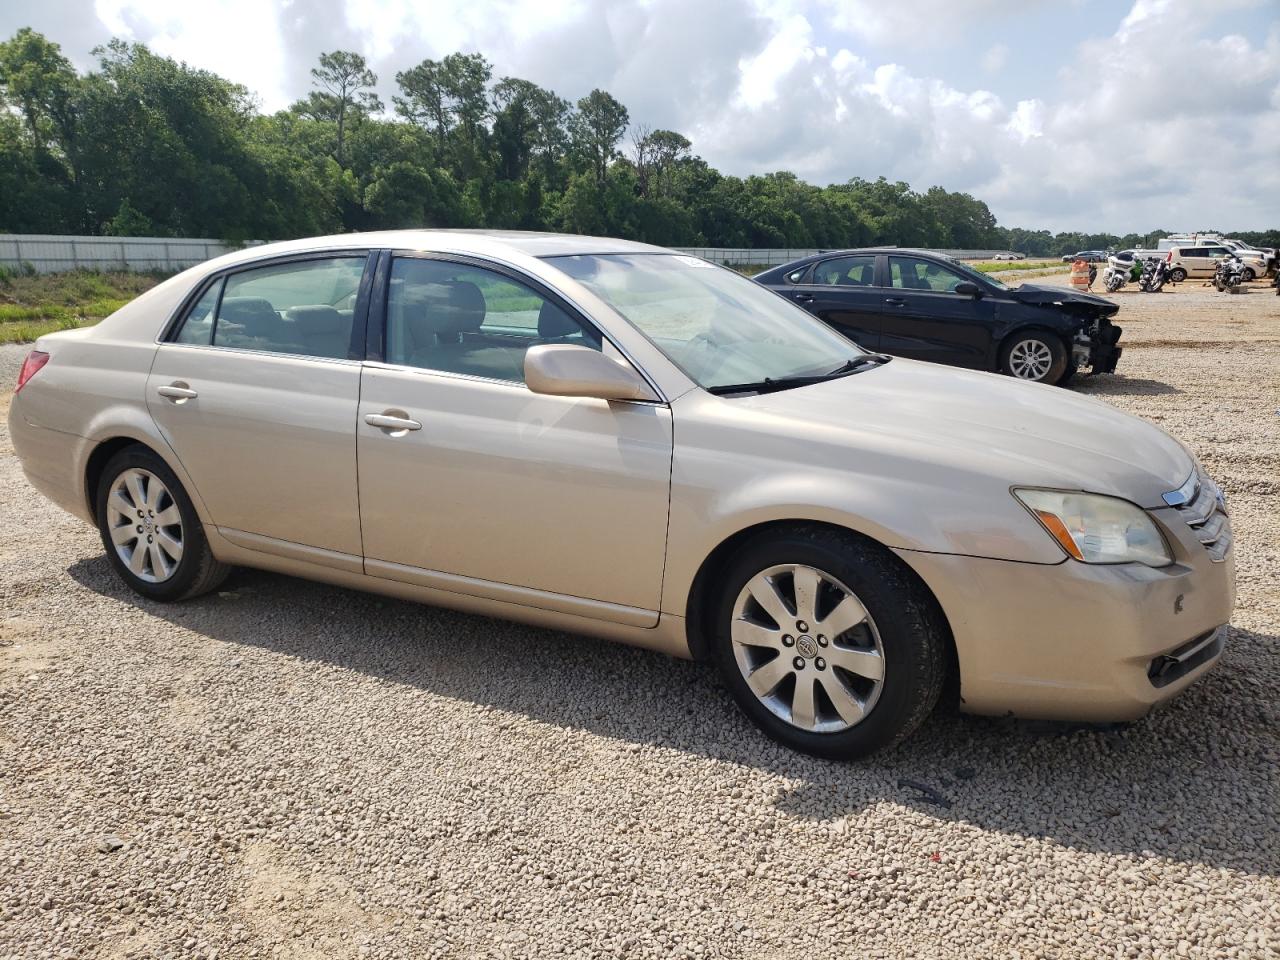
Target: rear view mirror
(569,370)
(967,288)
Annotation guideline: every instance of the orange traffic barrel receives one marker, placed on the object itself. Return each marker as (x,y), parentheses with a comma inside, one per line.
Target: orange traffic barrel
(1080,275)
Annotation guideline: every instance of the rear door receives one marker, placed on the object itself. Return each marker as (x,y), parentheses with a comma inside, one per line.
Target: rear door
(1199,261)
(842,293)
(256,390)
(925,318)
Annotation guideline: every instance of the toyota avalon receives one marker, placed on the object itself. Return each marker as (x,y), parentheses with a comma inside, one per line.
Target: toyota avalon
(613,439)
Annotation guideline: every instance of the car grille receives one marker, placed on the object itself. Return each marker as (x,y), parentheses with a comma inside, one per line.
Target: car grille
(1203,507)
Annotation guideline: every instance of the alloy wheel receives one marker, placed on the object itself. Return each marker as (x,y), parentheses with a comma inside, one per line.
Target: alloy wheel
(145,525)
(807,648)
(1030,359)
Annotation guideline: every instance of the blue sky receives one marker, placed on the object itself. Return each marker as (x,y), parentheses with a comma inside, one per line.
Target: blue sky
(1074,114)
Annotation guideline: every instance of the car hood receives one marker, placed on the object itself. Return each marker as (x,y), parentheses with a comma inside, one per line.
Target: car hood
(1043,295)
(983,425)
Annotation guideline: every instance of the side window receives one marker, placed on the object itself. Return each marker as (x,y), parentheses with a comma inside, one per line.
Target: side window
(303,308)
(907,273)
(458,318)
(846,272)
(197,328)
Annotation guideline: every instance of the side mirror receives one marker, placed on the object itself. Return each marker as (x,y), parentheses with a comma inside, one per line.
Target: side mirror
(967,288)
(569,370)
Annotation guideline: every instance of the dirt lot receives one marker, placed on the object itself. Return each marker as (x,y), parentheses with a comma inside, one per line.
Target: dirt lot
(298,771)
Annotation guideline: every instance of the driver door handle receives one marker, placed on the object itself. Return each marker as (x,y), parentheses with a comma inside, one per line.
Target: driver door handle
(895,301)
(804,297)
(391,424)
(177,392)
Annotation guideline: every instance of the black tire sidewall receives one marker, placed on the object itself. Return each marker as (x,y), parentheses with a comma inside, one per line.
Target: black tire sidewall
(194,546)
(909,692)
(1057,348)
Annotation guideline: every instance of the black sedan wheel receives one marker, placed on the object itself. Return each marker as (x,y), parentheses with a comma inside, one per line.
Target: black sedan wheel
(1035,355)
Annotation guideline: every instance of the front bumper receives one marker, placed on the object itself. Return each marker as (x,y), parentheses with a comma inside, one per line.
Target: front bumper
(1099,348)
(1074,641)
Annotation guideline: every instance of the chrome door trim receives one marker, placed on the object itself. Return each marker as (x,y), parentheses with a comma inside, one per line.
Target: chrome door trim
(292,551)
(508,593)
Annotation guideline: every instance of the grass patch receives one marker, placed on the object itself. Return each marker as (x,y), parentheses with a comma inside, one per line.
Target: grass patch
(29,332)
(1001,266)
(32,305)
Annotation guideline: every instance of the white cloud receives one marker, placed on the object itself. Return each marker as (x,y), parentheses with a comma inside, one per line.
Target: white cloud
(996,56)
(828,88)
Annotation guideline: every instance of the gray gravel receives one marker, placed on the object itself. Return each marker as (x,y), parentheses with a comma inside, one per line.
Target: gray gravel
(292,770)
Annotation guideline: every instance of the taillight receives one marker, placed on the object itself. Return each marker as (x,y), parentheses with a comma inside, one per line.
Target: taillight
(30,367)
(1169,257)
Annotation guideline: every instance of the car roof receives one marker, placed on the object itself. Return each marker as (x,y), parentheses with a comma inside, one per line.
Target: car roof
(481,242)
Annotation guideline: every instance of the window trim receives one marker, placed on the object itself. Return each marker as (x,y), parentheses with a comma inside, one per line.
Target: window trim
(888,264)
(359,316)
(375,351)
(811,275)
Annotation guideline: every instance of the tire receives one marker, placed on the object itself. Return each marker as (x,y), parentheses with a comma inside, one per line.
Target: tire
(159,574)
(1068,375)
(1035,355)
(1177,275)
(902,637)
(1248,276)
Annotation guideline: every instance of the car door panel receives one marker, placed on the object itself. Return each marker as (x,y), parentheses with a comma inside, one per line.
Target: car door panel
(567,496)
(855,310)
(268,440)
(935,325)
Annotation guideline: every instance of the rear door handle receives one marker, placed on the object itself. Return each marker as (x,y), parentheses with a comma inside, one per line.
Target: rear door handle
(804,297)
(391,424)
(177,392)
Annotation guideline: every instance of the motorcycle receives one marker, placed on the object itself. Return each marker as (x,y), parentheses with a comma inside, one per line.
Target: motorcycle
(1229,275)
(1155,274)
(1121,269)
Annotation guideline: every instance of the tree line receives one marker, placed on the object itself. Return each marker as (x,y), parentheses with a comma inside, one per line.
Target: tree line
(146,146)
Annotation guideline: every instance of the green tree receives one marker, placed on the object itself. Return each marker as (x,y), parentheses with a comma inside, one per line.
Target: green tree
(596,129)
(345,94)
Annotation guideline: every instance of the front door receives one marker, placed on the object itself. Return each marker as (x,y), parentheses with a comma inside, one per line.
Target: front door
(925,318)
(842,293)
(478,485)
(256,394)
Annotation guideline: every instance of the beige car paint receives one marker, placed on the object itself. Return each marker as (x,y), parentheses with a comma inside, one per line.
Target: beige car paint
(918,457)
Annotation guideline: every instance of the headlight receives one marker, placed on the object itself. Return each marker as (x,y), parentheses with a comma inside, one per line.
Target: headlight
(1097,529)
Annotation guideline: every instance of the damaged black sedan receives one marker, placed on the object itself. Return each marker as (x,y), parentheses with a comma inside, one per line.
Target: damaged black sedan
(927,306)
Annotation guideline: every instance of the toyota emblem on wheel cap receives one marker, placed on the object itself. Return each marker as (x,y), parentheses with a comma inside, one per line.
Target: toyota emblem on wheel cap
(807,647)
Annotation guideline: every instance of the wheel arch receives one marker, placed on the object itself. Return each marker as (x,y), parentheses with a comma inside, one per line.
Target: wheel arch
(700,604)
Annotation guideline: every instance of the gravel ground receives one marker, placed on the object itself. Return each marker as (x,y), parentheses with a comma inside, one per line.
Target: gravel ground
(291,770)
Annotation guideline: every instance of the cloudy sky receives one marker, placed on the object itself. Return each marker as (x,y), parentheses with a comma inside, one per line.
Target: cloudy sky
(1073,114)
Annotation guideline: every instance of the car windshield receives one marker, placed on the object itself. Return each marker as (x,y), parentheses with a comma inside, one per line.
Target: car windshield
(714,324)
(961,267)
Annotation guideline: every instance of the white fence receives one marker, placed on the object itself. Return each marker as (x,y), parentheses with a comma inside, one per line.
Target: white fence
(51,254)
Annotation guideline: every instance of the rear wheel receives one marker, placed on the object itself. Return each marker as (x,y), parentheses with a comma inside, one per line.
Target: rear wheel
(150,529)
(827,643)
(1249,275)
(1177,274)
(1035,355)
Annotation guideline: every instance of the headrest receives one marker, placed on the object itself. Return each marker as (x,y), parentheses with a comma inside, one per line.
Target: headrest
(456,306)
(316,319)
(242,309)
(554,322)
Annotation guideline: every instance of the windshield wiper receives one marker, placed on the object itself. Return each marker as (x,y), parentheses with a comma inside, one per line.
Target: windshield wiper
(772,384)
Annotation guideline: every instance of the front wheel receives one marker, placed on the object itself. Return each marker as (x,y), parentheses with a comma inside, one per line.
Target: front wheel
(1177,274)
(1034,355)
(1248,276)
(828,643)
(150,529)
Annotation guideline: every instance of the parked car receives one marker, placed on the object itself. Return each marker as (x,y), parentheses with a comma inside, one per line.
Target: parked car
(1008,256)
(927,306)
(1088,256)
(1257,263)
(1201,261)
(614,439)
